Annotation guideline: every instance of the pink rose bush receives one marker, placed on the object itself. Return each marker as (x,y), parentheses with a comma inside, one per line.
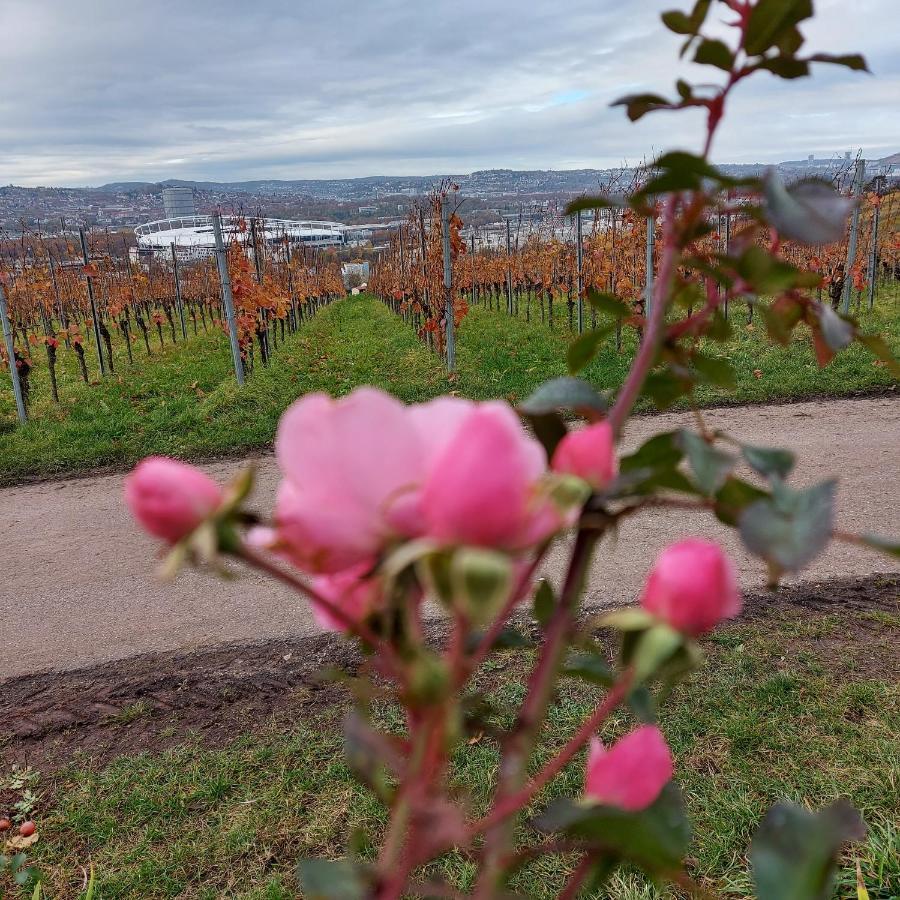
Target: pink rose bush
(384,504)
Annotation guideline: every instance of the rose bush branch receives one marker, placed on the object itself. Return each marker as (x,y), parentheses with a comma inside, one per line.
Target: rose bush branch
(384,507)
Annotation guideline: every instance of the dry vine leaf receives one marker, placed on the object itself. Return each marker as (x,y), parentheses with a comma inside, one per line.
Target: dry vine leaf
(22,843)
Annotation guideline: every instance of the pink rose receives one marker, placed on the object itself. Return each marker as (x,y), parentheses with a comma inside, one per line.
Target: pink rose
(345,463)
(170,499)
(365,471)
(692,587)
(349,590)
(588,453)
(632,773)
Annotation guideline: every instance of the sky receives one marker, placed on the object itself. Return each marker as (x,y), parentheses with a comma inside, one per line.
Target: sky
(96,91)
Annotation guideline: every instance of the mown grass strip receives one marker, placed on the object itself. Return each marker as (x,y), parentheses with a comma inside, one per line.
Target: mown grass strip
(184,401)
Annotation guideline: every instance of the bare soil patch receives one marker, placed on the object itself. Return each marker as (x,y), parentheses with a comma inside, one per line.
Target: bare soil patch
(159,700)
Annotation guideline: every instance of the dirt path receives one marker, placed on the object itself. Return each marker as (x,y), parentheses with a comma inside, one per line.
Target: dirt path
(78,585)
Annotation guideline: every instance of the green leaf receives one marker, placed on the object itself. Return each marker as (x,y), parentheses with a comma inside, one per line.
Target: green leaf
(885,545)
(733,498)
(768,461)
(544,602)
(660,451)
(638,105)
(564,393)
(836,330)
(585,347)
(781,318)
(787,67)
(811,211)
(664,388)
(655,838)
(510,638)
(712,52)
(769,275)
(590,667)
(549,429)
(714,370)
(794,853)
(685,91)
(628,618)
(677,21)
(653,648)
(853,61)
(326,879)
(579,204)
(790,528)
(709,465)
(643,705)
(609,304)
(770,20)
(876,345)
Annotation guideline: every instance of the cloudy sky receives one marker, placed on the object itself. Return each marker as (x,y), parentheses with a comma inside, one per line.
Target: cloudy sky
(101,90)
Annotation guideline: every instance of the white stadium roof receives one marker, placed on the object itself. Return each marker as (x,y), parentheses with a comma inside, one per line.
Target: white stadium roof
(195,233)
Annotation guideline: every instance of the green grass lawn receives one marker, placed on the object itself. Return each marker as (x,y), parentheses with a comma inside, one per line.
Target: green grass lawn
(802,705)
(183,401)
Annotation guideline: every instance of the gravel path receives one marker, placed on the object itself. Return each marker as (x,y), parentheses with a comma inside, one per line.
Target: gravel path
(78,585)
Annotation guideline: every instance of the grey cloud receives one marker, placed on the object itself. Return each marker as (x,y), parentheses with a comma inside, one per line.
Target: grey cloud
(219,89)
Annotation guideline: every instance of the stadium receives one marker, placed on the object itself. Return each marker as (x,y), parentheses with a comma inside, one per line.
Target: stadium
(192,236)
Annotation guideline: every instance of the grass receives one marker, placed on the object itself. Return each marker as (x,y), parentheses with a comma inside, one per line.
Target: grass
(183,402)
(797,706)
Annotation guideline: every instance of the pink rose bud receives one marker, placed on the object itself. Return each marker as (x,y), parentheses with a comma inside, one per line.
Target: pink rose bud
(632,773)
(588,453)
(350,591)
(692,587)
(170,499)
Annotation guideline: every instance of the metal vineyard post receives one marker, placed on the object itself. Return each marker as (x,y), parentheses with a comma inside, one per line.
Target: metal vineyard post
(227,298)
(11,354)
(858,182)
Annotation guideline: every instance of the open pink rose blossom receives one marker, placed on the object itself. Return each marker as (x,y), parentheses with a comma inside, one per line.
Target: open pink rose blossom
(365,470)
(589,453)
(632,773)
(169,498)
(692,587)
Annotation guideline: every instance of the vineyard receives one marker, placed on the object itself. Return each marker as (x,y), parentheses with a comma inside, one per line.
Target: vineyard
(119,356)
(92,302)
(549,276)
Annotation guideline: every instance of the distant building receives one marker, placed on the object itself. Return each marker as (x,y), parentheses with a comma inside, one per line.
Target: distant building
(179,202)
(368,210)
(355,274)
